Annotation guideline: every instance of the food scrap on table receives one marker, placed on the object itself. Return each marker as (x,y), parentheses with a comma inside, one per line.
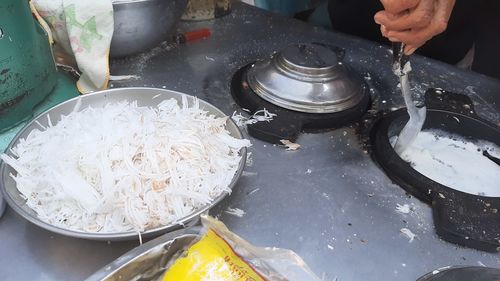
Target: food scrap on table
(290,145)
(262,115)
(235,212)
(403,209)
(408,233)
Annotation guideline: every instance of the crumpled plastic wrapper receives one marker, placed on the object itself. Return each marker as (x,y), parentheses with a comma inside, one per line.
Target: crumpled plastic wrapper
(219,254)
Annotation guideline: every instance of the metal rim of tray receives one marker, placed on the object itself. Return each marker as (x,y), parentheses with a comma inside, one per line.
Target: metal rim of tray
(135,255)
(28,214)
(2,205)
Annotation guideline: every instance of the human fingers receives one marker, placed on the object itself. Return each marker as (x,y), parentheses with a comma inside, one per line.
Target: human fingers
(420,16)
(415,38)
(398,6)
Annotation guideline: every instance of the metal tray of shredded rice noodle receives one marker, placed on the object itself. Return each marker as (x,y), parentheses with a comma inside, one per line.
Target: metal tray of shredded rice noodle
(145,97)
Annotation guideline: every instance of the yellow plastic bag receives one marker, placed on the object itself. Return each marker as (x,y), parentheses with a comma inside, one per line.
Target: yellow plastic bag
(209,259)
(220,255)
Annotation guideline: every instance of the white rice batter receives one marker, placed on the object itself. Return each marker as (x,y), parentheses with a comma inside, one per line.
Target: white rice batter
(455,162)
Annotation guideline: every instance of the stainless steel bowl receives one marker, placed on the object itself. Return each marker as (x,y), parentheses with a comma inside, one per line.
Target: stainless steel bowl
(144,97)
(142,24)
(308,78)
(147,262)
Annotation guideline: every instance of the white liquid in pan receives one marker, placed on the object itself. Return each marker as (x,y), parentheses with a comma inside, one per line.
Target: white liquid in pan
(455,162)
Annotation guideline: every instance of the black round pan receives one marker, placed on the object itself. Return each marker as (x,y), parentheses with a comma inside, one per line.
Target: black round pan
(462,218)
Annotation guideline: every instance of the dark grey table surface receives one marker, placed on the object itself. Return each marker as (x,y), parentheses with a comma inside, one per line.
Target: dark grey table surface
(327,201)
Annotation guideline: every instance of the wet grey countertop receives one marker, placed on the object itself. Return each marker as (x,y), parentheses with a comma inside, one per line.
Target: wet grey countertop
(327,201)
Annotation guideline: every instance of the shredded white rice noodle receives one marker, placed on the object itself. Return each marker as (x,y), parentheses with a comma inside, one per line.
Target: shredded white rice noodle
(262,115)
(125,168)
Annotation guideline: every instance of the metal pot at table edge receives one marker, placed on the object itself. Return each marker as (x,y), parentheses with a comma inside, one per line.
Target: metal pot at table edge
(147,261)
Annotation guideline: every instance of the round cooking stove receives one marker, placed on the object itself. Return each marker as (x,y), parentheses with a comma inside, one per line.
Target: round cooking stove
(306,86)
(472,220)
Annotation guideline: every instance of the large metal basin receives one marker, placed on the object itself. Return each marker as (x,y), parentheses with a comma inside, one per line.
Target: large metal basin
(142,24)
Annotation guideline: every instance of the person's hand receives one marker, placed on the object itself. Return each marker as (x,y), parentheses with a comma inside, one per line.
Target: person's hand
(413,22)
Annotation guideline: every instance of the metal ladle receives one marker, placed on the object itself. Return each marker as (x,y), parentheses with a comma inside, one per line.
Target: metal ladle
(401,67)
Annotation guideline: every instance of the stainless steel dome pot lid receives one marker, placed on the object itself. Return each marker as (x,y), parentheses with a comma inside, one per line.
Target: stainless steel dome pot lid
(308,78)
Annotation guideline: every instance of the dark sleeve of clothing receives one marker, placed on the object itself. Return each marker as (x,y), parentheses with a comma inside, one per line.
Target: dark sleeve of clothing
(355,17)
(487,39)
(472,22)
